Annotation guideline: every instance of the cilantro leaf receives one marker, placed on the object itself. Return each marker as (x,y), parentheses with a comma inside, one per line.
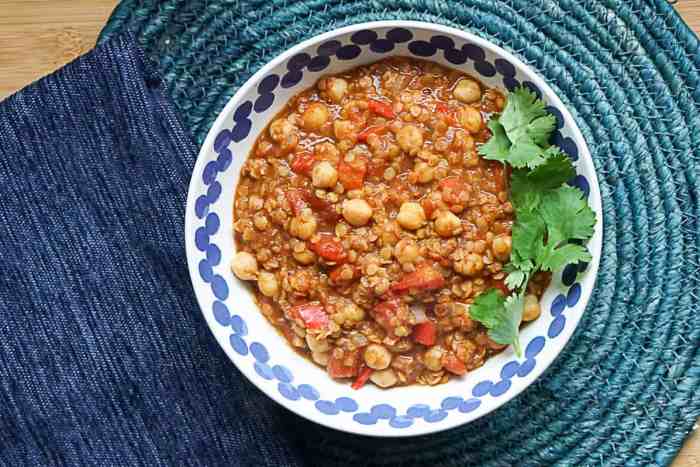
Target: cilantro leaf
(522,108)
(551,258)
(528,239)
(486,308)
(516,279)
(525,153)
(521,134)
(501,316)
(527,187)
(524,193)
(567,215)
(541,128)
(555,170)
(498,146)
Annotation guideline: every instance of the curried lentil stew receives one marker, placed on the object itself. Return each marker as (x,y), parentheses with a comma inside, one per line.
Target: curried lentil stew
(370,223)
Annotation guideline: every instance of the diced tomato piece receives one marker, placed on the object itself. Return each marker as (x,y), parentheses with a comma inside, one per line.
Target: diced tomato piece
(454,364)
(425,333)
(352,174)
(330,248)
(313,315)
(428,207)
(302,163)
(377,168)
(453,189)
(501,285)
(425,277)
(381,108)
(442,108)
(338,369)
(321,206)
(362,378)
(371,130)
(296,200)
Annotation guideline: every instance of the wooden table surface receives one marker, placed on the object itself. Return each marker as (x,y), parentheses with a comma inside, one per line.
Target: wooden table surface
(38,36)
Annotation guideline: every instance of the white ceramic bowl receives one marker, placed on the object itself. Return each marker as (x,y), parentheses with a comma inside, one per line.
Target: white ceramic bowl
(250,341)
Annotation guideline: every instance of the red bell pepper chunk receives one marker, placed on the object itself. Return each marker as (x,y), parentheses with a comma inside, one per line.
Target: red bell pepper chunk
(362,378)
(425,277)
(322,207)
(454,364)
(371,130)
(338,369)
(330,248)
(313,315)
(303,163)
(425,333)
(296,200)
(381,108)
(452,189)
(352,174)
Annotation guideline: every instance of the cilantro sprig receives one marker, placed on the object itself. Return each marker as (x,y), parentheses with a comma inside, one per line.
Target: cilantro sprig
(552,219)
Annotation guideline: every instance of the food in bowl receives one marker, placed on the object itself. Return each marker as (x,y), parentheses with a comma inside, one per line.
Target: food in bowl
(401,220)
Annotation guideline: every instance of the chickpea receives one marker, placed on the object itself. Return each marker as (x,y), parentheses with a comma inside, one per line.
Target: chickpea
(377,357)
(433,358)
(471,265)
(304,225)
(304,257)
(447,224)
(384,378)
(531,308)
(315,116)
(467,91)
(343,129)
(424,173)
(410,139)
(411,216)
(281,130)
(406,251)
(260,221)
(357,211)
(268,284)
(501,247)
(336,89)
(324,175)
(245,266)
(320,357)
(470,119)
(317,345)
(352,312)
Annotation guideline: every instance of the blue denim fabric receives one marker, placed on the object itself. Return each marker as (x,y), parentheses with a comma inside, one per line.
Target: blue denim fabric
(105,358)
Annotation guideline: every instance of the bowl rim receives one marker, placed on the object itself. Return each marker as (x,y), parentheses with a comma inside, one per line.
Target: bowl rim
(594,200)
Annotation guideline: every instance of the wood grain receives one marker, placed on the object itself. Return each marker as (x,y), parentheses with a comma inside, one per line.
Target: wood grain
(39,36)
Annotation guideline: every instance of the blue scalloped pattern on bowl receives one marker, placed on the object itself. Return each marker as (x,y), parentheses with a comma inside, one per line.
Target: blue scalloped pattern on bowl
(244,345)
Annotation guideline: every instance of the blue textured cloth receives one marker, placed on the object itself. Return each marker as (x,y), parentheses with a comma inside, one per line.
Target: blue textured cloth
(105,358)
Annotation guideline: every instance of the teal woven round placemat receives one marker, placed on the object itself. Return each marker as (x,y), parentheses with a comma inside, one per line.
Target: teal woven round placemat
(626,390)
